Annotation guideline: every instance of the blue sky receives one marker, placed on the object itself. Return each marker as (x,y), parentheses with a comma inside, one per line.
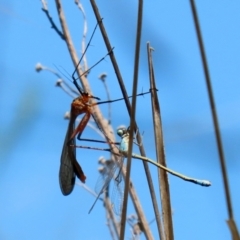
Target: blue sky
(33,128)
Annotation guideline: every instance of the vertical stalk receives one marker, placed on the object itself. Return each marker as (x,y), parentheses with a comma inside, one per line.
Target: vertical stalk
(215,120)
(132,117)
(162,175)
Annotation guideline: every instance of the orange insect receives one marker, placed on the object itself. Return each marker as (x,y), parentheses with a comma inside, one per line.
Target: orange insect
(69,167)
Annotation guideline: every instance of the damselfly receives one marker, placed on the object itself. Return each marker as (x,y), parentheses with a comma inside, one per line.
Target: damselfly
(112,172)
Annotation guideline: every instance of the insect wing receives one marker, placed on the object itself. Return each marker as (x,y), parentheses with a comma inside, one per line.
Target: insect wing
(105,177)
(117,194)
(66,173)
(103,181)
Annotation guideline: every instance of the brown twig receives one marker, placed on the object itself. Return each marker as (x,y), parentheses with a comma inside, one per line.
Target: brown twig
(109,211)
(132,117)
(162,175)
(235,234)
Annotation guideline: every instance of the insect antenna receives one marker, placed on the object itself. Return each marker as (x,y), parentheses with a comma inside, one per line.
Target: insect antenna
(73,75)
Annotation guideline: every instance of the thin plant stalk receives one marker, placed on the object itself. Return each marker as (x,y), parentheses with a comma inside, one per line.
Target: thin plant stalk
(167,231)
(109,212)
(231,221)
(85,29)
(132,117)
